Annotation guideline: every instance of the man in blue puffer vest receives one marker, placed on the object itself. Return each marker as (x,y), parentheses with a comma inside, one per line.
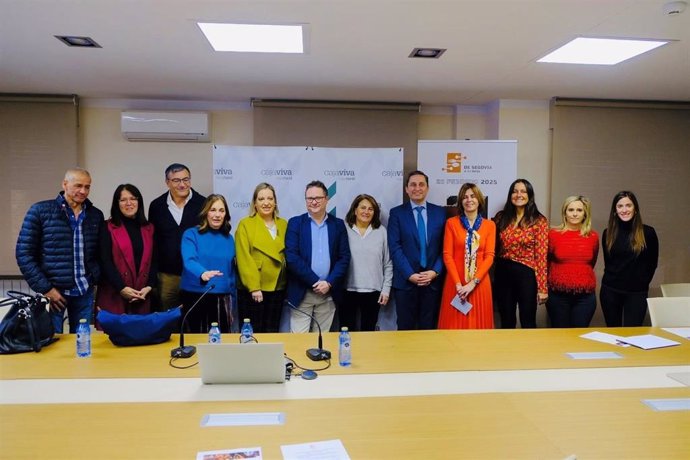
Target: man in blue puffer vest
(57,250)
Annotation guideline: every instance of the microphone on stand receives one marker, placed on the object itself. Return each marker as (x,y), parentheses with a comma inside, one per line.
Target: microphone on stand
(189,350)
(315,354)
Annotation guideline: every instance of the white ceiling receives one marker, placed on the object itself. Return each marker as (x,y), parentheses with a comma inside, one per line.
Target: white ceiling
(358,50)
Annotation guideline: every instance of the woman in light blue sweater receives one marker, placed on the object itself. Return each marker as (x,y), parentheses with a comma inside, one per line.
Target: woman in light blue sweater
(208,251)
(370,273)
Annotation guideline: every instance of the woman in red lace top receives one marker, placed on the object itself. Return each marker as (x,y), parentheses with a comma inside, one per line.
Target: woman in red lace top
(520,276)
(573,250)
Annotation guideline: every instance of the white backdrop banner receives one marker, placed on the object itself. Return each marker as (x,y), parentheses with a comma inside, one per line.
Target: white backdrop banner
(346,172)
(492,165)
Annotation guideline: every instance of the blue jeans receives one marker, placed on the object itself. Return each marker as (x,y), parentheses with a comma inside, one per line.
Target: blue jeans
(78,307)
(571,310)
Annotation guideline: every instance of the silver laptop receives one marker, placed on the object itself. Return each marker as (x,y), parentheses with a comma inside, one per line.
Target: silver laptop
(242,362)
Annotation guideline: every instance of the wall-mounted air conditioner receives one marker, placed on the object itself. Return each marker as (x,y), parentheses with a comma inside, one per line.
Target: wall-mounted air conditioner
(165,126)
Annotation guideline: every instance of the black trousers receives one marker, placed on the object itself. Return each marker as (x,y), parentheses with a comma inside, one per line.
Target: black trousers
(364,303)
(212,308)
(571,310)
(265,316)
(620,308)
(514,285)
(417,308)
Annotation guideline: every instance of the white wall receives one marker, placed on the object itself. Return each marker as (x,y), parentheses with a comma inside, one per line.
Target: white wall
(528,122)
(112,160)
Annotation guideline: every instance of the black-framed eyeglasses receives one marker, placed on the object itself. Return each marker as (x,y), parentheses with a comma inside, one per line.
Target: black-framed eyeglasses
(184,180)
(314,199)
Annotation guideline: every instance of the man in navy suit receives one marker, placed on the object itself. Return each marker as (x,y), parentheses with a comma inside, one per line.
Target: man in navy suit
(417,284)
(318,255)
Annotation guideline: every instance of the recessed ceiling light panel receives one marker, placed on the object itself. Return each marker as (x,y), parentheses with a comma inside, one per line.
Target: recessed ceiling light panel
(600,51)
(81,42)
(254,38)
(427,53)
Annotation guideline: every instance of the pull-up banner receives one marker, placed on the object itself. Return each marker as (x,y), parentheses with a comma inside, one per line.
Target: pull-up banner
(346,172)
(491,165)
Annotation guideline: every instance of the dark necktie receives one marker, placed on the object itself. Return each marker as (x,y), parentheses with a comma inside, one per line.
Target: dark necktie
(421,230)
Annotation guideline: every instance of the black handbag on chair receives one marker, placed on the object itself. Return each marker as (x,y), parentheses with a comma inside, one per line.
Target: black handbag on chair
(27,326)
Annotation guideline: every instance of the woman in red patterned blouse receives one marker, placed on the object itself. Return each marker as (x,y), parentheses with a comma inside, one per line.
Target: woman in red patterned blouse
(573,250)
(520,276)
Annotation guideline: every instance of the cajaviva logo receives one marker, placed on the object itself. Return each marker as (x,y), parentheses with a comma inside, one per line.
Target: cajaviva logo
(276,172)
(339,173)
(240,204)
(454,162)
(223,172)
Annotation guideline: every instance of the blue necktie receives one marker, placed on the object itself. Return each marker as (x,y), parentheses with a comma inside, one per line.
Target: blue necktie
(421,230)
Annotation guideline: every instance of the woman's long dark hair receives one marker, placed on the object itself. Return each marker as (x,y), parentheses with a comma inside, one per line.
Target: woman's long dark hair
(509,214)
(115,213)
(637,241)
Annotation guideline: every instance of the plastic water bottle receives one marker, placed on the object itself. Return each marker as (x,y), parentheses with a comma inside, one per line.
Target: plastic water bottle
(214,333)
(83,339)
(345,350)
(247,332)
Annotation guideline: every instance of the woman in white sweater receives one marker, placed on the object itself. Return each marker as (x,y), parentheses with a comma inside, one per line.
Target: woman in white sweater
(370,273)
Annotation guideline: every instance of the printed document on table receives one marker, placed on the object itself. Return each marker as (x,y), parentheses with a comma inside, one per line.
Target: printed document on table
(681,331)
(668,404)
(649,341)
(249,452)
(244,419)
(594,355)
(463,306)
(331,450)
(605,338)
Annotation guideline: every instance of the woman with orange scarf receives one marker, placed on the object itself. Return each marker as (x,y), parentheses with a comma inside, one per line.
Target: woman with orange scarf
(468,252)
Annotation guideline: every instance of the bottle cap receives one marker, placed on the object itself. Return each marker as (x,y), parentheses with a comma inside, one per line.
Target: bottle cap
(344,329)
(214,324)
(246,320)
(83,320)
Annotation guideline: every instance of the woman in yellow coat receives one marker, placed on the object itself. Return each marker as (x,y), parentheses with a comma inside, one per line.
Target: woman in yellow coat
(260,248)
(469,245)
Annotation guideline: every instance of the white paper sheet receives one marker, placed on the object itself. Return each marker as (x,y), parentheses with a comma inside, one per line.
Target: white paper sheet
(595,355)
(682,377)
(681,331)
(321,450)
(649,341)
(463,306)
(242,419)
(605,338)
(668,404)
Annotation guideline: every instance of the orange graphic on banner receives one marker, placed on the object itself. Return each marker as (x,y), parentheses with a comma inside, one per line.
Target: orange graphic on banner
(454,162)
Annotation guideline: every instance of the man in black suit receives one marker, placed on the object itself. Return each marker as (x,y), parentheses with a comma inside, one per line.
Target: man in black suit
(171,214)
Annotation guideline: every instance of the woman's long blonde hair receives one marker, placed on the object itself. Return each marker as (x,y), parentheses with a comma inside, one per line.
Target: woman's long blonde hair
(586,225)
(260,187)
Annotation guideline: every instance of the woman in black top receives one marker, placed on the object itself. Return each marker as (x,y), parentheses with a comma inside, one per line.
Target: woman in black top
(631,254)
(127,255)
